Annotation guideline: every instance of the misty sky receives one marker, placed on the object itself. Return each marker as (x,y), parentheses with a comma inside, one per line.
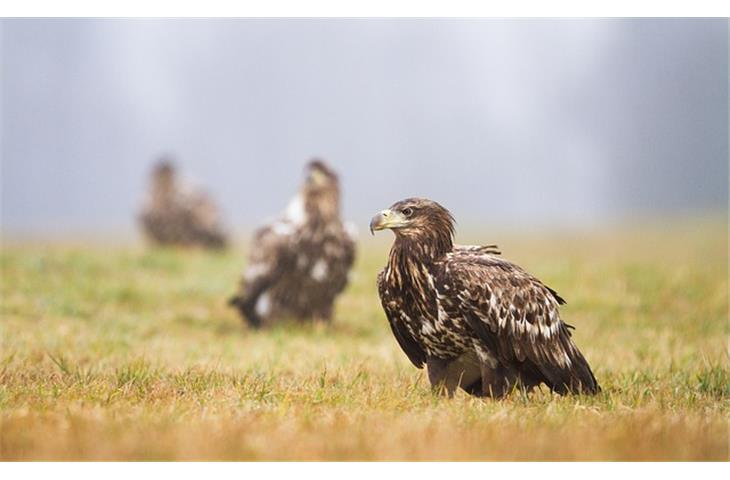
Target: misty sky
(505,122)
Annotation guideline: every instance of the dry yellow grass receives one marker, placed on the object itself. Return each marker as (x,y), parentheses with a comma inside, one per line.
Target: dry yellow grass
(122,353)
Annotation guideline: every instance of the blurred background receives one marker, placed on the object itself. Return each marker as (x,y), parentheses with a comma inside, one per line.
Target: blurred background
(509,123)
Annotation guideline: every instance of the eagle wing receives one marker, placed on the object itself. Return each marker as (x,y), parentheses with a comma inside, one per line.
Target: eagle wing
(515,315)
(199,216)
(270,249)
(392,304)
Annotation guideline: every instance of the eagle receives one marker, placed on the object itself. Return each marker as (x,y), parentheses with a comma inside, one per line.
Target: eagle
(175,213)
(299,263)
(476,321)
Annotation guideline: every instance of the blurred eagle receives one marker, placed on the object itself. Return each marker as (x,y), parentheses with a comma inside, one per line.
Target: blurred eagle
(300,262)
(476,321)
(175,213)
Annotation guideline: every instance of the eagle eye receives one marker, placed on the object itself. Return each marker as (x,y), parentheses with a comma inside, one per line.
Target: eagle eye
(407,212)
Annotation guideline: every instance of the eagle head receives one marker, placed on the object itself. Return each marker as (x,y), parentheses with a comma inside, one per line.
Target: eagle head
(163,177)
(164,169)
(321,191)
(319,176)
(416,218)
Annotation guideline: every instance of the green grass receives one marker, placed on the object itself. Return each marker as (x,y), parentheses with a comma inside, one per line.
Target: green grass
(125,353)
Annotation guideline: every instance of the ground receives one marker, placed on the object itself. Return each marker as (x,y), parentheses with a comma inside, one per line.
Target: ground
(118,352)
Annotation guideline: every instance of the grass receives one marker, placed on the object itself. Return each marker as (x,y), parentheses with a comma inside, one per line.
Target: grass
(128,354)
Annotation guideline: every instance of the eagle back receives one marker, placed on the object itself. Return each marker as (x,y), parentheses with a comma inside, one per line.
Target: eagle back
(315,260)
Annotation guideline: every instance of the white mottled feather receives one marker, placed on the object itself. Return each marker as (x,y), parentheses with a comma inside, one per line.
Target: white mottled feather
(295,212)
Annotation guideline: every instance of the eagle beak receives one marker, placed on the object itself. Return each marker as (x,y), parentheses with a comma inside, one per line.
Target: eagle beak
(316,178)
(380,221)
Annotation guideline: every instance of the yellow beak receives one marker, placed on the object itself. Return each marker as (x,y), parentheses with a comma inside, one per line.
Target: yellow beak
(381,221)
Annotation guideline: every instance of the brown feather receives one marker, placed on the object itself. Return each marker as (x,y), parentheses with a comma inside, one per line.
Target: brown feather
(449,305)
(299,264)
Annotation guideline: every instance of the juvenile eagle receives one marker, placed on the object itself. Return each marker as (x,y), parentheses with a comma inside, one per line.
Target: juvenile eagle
(300,262)
(174,213)
(476,321)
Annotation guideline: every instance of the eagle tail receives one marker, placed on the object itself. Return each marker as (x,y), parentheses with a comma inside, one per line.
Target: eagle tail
(247,310)
(211,238)
(577,377)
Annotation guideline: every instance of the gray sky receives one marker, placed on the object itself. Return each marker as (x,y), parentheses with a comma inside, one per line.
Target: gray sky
(505,122)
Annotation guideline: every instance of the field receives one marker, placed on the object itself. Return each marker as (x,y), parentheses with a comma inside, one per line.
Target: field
(123,353)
